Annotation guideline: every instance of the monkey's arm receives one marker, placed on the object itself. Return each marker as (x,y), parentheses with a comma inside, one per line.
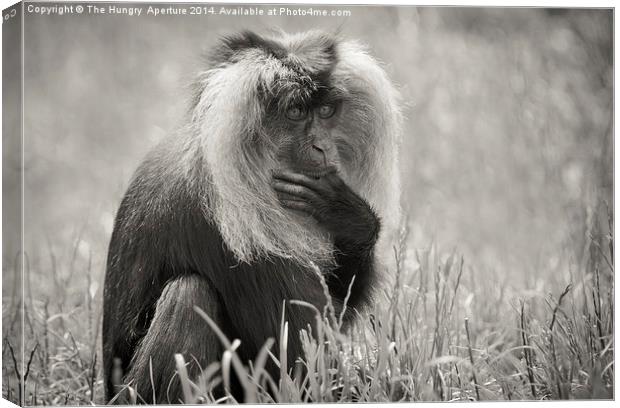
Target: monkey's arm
(354,259)
(347,217)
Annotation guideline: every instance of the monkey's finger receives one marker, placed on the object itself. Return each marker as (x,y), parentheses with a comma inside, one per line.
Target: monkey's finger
(297,205)
(286,196)
(294,190)
(297,178)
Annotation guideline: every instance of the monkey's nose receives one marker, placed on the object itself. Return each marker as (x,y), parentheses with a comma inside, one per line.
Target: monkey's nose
(318,155)
(318,148)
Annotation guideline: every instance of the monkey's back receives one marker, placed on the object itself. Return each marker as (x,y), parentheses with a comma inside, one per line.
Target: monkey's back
(159,231)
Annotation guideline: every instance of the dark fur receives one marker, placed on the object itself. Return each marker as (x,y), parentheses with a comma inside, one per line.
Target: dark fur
(166,256)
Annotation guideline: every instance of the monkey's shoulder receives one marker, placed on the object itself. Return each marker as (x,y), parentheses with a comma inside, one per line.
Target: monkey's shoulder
(165,194)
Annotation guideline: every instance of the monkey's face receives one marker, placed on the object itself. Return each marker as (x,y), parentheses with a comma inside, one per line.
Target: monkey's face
(316,133)
(307,139)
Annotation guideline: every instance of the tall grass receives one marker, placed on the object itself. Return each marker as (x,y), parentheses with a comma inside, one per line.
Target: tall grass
(440,329)
(61,315)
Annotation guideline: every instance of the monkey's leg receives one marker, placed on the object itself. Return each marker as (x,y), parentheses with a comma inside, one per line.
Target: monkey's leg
(255,296)
(176,328)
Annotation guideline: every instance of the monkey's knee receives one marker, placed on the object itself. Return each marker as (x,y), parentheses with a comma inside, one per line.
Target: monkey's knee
(176,328)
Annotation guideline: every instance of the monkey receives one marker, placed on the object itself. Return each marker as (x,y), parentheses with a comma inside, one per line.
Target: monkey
(282,179)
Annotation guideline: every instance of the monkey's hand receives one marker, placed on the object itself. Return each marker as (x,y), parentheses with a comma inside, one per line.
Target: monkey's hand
(345,215)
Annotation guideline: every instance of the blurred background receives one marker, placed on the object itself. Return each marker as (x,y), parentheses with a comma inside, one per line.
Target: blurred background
(507,146)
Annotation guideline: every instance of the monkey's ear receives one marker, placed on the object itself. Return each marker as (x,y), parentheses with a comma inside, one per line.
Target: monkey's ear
(232,45)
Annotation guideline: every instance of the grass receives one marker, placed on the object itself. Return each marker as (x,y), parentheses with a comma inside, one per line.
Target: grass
(440,330)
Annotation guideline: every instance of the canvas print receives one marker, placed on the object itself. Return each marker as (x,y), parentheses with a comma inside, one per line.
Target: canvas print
(294,203)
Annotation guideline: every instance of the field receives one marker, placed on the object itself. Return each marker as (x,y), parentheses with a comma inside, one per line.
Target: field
(505,280)
(441,332)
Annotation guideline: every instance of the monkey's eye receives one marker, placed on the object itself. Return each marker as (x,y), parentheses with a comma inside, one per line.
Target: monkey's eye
(327,111)
(296,113)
